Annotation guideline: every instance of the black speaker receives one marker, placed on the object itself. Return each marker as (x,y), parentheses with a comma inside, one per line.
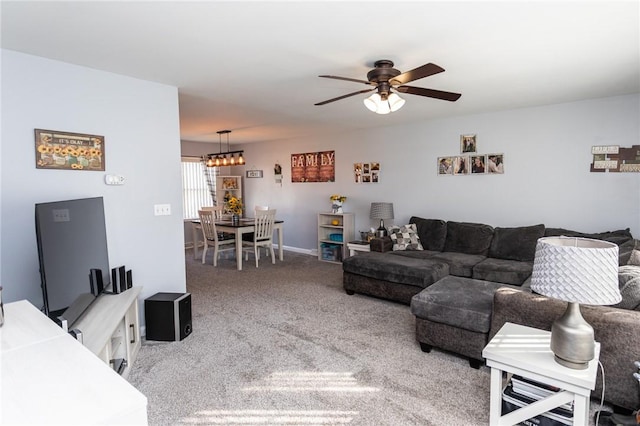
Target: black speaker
(168,316)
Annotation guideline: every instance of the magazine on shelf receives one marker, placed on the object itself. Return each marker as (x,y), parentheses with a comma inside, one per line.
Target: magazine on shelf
(512,401)
(536,390)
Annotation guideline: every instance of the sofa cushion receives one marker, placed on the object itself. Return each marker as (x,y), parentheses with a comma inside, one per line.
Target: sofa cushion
(460,264)
(504,271)
(459,302)
(629,282)
(516,243)
(618,237)
(416,254)
(406,238)
(397,269)
(432,232)
(468,238)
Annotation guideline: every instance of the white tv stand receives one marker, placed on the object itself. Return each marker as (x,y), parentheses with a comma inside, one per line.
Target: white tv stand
(49,378)
(111,329)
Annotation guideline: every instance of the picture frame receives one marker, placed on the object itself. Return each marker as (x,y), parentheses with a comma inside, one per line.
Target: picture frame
(468,144)
(478,164)
(366,172)
(495,164)
(254,173)
(461,165)
(445,166)
(60,150)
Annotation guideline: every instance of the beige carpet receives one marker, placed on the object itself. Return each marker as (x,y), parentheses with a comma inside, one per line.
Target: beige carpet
(284,345)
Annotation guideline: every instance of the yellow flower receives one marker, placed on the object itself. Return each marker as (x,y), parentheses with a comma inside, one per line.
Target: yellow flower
(341,198)
(234,205)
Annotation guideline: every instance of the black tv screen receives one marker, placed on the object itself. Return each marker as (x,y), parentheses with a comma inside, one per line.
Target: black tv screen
(72,240)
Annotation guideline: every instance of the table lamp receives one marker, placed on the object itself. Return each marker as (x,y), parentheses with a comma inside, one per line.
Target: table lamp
(575,270)
(381,211)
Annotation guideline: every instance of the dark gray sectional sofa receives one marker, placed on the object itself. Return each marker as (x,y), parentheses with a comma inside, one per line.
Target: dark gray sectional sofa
(454,286)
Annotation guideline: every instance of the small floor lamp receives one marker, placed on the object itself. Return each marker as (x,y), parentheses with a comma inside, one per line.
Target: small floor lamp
(381,211)
(576,270)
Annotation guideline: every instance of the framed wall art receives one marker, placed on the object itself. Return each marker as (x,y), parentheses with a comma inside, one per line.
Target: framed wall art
(254,173)
(445,165)
(478,164)
(495,163)
(68,151)
(461,165)
(468,144)
(366,172)
(313,167)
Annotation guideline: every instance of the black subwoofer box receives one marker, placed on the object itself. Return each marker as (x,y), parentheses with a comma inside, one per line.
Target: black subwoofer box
(168,316)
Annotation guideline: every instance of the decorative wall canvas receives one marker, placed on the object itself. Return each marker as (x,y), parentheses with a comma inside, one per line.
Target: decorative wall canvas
(366,172)
(313,167)
(612,158)
(69,151)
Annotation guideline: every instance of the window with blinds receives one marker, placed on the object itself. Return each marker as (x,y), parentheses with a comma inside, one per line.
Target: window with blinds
(196,191)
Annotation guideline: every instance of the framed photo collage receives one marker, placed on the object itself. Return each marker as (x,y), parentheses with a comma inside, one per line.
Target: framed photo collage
(470,162)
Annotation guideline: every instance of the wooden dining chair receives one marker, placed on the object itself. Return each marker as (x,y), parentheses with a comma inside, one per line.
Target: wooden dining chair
(211,236)
(262,235)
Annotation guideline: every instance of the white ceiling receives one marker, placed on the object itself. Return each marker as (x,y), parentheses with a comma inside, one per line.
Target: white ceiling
(252,67)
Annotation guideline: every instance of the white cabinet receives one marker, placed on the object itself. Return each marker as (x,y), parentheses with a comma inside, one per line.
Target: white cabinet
(49,378)
(111,329)
(227,187)
(335,230)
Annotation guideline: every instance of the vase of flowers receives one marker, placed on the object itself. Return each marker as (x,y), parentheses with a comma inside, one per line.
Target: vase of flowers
(336,203)
(234,206)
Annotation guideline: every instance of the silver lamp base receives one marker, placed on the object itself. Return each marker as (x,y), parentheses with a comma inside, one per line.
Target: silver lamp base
(572,339)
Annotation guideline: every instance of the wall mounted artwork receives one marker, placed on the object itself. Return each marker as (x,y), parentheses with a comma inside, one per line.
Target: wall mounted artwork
(470,161)
(612,158)
(366,172)
(68,151)
(313,167)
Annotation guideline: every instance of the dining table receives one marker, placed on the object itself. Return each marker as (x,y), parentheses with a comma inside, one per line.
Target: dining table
(243,226)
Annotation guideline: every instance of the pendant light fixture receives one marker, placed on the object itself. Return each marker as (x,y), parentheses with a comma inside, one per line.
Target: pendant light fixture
(220,159)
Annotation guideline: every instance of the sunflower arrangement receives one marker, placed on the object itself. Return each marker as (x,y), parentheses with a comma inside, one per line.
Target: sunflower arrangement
(234,205)
(341,198)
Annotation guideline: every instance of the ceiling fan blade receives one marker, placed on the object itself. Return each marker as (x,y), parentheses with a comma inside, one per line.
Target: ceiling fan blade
(346,79)
(415,74)
(438,94)
(345,96)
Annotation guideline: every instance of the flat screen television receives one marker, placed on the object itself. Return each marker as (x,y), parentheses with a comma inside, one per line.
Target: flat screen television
(72,240)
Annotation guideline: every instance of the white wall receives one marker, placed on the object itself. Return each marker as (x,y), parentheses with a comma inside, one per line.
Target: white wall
(547,152)
(140,123)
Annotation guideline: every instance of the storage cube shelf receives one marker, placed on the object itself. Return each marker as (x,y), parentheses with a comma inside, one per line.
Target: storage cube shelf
(334,230)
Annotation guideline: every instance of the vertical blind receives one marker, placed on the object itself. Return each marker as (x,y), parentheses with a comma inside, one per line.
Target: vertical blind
(195,190)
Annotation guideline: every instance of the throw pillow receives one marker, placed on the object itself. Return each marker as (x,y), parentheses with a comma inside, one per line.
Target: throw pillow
(629,282)
(634,259)
(406,238)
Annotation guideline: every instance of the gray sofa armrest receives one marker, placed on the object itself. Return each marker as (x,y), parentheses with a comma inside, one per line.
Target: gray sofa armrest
(617,330)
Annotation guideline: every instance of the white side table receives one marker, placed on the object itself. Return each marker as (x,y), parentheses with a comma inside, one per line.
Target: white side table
(525,351)
(355,246)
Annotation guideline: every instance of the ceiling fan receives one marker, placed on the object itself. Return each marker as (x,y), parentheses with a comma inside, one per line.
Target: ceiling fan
(387,81)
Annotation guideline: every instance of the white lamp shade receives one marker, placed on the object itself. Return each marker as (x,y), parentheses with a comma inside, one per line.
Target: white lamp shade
(372,102)
(579,270)
(395,102)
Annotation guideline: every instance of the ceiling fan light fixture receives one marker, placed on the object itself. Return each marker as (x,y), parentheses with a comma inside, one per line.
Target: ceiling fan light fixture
(395,102)
(372,102)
